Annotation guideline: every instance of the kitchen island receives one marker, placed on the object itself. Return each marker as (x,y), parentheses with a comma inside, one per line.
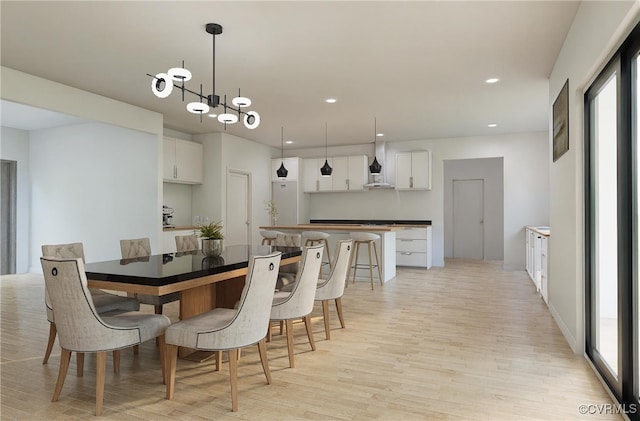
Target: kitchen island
(386,245)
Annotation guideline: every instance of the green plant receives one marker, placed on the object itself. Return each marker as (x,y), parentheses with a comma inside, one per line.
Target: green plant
(211,230)
(270,206)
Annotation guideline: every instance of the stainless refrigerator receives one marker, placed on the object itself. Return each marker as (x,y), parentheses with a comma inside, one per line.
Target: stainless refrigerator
(285,196)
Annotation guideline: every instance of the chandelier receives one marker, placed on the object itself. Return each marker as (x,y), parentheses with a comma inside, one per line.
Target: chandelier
(163,84)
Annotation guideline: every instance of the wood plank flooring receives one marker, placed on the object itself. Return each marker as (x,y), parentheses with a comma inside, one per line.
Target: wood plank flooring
(468,341)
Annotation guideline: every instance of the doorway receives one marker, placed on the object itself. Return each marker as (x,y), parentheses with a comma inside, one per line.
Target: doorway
(468,219)
(238,223)
(8,186)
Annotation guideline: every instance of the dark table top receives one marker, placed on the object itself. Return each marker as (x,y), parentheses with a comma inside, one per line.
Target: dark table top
(165,269)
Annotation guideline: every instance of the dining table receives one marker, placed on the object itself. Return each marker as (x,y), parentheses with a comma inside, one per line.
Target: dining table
(204,282)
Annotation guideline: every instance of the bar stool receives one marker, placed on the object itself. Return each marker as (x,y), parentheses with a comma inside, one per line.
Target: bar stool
(318,237)
(269,237)
(367,238)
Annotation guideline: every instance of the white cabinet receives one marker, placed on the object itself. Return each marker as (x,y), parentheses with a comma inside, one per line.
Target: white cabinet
(291,164)
(349,174)
(537,252)
(182,161)
(413,170)
(413,247)
(313,181)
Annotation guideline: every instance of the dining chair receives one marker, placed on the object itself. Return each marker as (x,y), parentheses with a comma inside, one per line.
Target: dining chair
(298,304)
(287,274)
(225,329)
(81,329)
(103,301)
(187,243)
(333,287)
(137,248)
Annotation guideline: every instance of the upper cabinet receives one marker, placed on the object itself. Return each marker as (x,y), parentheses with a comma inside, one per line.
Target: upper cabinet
(291,164)
(413,170)
(349,174)
(182,161)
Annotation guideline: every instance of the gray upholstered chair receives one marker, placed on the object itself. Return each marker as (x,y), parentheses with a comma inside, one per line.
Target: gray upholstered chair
(298,303)
(103,301)
(187,243)
(81,329)
(137,248)
(224,329)
(288,273)
(333,287)
(269,237)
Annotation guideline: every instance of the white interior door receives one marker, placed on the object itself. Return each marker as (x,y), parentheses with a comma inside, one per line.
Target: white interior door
(468,219)
(238,223)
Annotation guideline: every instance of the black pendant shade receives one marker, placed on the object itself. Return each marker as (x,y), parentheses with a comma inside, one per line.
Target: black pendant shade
(375,166)
(282,171)
(326,169)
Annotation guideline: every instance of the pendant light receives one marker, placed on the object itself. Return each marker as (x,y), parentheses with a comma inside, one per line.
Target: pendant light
(282,171)
(375,166)
(326,169)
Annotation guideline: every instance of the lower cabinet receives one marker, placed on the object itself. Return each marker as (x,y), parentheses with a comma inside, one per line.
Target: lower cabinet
(537,252)
(413,247)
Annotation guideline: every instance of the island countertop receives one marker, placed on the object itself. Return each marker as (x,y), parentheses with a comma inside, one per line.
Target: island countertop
(334,227)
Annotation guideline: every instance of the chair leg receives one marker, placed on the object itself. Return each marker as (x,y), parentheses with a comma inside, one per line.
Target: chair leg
(101,369)
(352,263)
(281,327)
(136,349)
(326,248)
(65,358)
(171,356)
(218,360)
(289,325)
(325,316)
(375,250)
(307,324)
(233,378)
(269,331)
(370,264)
(116,361)
(158,310)
(339,310)
(163,358)
(79,364)
(52,338)
(262,349)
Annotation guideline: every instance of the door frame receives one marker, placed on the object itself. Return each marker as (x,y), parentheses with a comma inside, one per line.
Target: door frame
(249,199)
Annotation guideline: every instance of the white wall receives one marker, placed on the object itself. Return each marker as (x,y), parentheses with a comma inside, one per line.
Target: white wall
(597,30)
(94,183)
(223,151)
(490,170)
(526,187)
(14,146)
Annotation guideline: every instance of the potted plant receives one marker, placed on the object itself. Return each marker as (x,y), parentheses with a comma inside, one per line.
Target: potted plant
(212,238)
(270,206)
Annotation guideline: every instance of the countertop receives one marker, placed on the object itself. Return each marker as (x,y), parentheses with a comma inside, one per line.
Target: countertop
(180,228)
(336,227)
(546,231)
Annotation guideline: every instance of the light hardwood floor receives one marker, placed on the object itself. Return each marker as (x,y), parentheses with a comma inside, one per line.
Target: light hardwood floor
(469,341)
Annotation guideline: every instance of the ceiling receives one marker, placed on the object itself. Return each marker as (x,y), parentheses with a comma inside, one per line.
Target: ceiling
(418,67)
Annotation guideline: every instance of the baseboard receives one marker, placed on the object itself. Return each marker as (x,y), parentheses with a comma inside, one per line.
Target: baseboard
(571,340)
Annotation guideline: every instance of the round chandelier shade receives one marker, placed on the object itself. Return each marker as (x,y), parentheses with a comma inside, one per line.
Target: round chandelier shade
(228,118)
(251,120)
(197,108)
(179,74)
(161,85)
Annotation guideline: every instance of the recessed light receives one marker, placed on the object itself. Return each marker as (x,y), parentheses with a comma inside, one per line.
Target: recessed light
(288,142)
(213,115)
(379,134)
(492,125)
(330,100)
(492,80)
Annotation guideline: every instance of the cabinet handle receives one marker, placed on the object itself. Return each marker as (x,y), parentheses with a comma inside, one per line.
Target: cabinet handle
(402,239)
(411,182)
(406,253)
(175,171)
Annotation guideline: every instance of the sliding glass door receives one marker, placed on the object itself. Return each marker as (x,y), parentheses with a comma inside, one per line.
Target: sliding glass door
(612,230)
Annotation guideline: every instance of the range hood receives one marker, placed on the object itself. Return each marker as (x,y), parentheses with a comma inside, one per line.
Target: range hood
(379,181)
